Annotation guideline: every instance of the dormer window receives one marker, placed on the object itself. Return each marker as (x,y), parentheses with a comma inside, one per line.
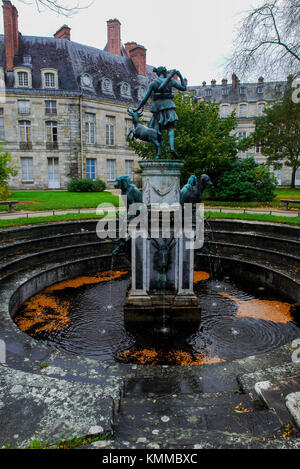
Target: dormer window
(242,90)
(23,77)
(260,90)
(141,92)
(106,85)
(208,92)
(125,89)
(224,91)
(49,78)
(86,81)
(27,59)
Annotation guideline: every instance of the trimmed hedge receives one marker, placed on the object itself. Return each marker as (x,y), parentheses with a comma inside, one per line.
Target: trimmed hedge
(86,185)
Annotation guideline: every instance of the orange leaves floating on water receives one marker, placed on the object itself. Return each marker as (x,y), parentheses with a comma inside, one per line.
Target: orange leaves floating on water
(88,280)
(172,357)
(201,276)
(275,311)
(45,314)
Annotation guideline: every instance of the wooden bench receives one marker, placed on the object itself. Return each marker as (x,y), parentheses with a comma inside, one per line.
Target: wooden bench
(10,203)
(287,202)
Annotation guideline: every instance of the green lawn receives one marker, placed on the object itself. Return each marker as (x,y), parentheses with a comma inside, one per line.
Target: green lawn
(209,215)
(60,200)
(281,193)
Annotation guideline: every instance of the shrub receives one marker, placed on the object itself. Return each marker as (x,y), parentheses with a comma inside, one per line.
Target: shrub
(246,181)
(5,193)
(86,185)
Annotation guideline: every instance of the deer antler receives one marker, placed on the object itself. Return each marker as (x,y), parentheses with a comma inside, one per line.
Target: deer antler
(130,112)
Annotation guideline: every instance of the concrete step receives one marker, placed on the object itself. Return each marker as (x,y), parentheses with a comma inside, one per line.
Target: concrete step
(190,439)
(50,409)
(153,418)
(248,381)
(274,393)
(293,404)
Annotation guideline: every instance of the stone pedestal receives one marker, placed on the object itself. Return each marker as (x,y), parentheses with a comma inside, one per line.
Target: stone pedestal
(161,181)
(162,268)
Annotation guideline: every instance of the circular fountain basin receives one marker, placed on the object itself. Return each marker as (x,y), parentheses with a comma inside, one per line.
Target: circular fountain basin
(85,316)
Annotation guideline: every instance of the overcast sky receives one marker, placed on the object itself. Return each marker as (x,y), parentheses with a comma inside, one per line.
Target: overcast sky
(193,36)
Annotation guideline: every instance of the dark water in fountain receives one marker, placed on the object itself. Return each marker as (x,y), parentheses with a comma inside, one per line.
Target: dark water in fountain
(88,325)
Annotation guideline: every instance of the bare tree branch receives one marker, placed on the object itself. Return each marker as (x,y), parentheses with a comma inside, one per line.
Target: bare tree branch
(59,6)
(268,40)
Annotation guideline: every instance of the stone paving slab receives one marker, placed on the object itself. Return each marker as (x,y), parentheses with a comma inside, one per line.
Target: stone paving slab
(293,405)
(274,393)
(280,372)
(189,439)
(34,407)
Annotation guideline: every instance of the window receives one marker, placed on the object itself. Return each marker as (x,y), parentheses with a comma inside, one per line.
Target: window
(51,134)
(27,59)
(111,170)
(27,169)
(50,107)
(25,131)
(2,135)
(208,92)
(91,168)
(242,90)
(86,81)
(110,130)
(141,92)
(90,120)
(260,90)
(261,108)
(24,107)
(242,134)
(106,85)
(225,110)
(243,110)
(23,79)
(49,80)
(129,169)
(125,89)
(225,91)
(258,148)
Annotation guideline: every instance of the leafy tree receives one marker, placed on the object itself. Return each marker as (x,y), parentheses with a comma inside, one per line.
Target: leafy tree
(6,171)
(267,39)
(278,132)
(246,181)
(58,6)
(206,142)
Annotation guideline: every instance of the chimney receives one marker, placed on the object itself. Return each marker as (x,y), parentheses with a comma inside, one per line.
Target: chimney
(261,80)
(213,82)
(129,46)
(11,33)
(63,33)
(235,80)
(114,36)
(224,81)
(138,56)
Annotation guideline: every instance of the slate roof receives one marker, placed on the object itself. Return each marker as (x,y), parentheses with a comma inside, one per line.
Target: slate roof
(272,91)
(72,59)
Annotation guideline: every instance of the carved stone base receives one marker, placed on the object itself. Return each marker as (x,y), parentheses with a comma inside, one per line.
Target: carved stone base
(158,307)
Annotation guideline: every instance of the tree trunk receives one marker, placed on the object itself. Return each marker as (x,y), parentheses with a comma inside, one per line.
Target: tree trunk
(293,181)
